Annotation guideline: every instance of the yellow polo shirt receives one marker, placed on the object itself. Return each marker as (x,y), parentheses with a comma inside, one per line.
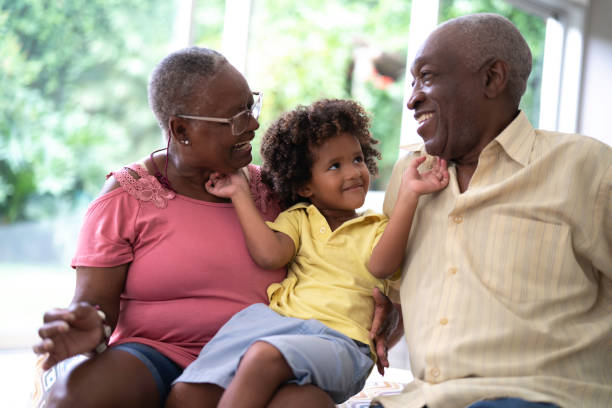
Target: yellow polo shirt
(507,288)
(328,279)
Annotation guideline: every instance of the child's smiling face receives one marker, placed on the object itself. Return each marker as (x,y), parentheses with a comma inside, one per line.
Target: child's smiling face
(340,177)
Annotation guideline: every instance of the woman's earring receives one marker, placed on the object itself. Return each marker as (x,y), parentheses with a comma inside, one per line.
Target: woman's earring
(185,142)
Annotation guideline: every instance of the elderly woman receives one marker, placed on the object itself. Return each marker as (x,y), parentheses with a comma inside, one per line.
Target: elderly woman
(160,262)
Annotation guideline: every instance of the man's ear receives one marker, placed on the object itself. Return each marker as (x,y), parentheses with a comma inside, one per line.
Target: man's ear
(305,191)
(496,80)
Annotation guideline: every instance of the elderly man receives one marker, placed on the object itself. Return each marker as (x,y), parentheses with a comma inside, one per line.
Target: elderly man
(507,285)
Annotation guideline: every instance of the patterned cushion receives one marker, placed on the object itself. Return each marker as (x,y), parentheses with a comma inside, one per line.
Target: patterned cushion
(44,380)
(393,382)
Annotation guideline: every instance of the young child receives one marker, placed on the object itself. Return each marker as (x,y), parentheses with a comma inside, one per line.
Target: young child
(319,160)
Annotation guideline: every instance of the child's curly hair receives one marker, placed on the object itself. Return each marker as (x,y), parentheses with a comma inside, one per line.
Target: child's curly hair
(286,146)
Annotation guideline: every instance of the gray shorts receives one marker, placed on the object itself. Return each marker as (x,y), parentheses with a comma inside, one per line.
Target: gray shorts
(317,354)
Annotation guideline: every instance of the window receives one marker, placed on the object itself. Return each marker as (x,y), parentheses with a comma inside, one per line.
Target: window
(299,52)
(73,105)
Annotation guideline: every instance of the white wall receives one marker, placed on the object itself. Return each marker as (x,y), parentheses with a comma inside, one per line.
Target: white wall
(595,113)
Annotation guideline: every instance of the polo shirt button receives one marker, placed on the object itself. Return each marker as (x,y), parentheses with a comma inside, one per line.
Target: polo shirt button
(322,230)
(435,372)
(458,219)
(444,321)
(453,270)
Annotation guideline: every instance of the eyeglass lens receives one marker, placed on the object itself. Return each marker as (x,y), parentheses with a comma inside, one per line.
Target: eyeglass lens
(241,121)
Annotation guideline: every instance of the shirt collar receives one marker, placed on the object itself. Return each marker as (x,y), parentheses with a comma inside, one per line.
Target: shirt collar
(298,205)
(517,139)
(311,209)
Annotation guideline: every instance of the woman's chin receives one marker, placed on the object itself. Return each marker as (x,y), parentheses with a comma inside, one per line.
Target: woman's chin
(243,159)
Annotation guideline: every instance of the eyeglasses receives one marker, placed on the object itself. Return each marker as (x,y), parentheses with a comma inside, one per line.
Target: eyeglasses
(240,121)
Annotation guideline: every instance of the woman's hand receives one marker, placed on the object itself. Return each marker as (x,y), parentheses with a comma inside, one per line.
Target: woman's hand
(384,324)
(68,332)
(227,185)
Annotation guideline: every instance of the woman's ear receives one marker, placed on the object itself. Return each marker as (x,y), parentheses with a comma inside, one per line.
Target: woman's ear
(497,73)
(176,127)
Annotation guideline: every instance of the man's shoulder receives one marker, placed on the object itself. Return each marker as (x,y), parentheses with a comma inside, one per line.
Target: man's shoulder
(409,152)
(574,146)
(413,149)
(570,140)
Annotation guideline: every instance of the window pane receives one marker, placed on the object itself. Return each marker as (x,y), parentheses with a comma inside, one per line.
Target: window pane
(208,23)
(303,51)
(531,26)
(73,97)
(73,106)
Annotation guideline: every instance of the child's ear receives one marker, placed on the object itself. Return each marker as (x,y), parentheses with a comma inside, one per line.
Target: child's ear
(304,191)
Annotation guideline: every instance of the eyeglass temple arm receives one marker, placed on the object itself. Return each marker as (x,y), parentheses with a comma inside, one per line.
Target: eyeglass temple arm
(222,120)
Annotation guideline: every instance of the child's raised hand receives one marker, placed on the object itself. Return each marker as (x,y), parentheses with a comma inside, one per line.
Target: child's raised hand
(227,185)
(427,182)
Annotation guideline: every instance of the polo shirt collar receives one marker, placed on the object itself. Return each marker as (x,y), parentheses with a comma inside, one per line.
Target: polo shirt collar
(312,210)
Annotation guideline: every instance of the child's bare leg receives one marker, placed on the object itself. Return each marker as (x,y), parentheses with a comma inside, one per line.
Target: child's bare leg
(300,396)
(186,395)
(261,371)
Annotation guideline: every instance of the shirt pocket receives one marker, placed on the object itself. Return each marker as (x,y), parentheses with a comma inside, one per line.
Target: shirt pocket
(530,261)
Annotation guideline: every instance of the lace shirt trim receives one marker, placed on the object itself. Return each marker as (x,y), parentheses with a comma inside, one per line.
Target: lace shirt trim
(145,188)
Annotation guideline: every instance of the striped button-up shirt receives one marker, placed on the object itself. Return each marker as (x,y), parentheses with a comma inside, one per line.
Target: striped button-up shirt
(507,287)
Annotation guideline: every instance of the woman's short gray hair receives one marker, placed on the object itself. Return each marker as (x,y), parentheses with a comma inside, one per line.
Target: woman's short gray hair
(485,36)
(175,78)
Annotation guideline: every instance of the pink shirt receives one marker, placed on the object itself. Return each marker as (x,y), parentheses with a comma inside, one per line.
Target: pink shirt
(190,270)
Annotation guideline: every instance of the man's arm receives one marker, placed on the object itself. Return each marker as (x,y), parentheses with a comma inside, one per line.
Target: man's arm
(387,327)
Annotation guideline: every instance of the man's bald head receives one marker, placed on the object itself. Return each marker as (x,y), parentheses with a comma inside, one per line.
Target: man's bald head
(479,38)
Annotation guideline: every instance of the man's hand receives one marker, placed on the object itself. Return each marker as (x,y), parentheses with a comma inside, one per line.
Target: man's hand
(385,321)
(68,332)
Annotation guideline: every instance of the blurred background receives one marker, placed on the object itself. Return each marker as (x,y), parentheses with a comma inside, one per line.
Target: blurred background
(73,104)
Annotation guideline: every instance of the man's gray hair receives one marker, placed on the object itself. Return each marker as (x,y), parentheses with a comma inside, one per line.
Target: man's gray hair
(176,77)
(486,36)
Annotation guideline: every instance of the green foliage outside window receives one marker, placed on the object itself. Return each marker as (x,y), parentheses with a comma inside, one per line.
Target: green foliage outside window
(301,51)
(73,97)
(73,77)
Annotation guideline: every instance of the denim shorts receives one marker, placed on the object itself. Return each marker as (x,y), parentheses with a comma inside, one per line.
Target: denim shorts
(316,354)
(163,369)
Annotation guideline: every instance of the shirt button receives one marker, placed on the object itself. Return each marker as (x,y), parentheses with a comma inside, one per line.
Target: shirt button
(458,219)
(435,372)
(453,270)
(322,230)
(444,321)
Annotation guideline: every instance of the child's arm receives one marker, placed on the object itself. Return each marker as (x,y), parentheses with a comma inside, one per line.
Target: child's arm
(269,249)
(388,254)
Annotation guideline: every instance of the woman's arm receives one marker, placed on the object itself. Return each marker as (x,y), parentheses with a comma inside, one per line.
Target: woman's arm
(269,249)
(78,329)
